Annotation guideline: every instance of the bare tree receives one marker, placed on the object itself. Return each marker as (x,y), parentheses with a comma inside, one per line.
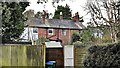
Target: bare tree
(104,12)
(29,13)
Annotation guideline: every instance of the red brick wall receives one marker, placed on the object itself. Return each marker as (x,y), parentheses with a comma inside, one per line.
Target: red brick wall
(41,32)
(66,39)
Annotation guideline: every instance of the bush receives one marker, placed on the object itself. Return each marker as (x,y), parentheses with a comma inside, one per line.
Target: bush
(41,40)
(101,56)
(86,36)
(80,44)
(75,37)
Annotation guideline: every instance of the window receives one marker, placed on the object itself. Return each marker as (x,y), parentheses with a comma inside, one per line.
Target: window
(63,32)
(35,30)
(50,31)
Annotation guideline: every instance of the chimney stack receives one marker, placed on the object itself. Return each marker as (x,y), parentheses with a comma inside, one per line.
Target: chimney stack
(76,17)
(45,16)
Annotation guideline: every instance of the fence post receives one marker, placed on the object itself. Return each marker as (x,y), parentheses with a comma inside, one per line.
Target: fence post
(44,47)
(1,56)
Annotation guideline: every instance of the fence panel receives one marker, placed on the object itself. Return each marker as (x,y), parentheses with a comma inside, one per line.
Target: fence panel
(5,56)
(80,53)
(0,56)
(14,57)
(22,55)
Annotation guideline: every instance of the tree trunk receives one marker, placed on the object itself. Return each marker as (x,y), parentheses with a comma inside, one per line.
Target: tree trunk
(113,34)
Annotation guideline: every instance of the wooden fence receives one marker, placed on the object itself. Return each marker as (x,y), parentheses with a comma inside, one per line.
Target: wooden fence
(22,55)
(79,55)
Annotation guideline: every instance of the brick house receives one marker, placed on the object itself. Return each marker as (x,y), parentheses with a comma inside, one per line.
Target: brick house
(54,29)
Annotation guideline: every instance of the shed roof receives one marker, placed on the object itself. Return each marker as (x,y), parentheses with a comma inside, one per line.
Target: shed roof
(54,23)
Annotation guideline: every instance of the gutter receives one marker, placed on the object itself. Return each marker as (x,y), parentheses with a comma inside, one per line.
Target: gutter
(56,27)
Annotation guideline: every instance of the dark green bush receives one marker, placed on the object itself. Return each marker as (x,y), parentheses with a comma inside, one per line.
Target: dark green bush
(102,56)
(75,37)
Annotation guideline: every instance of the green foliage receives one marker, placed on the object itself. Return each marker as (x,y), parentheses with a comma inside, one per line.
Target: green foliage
(86,36)
(12,20)
(66,12)
(41,40)
(106,39)
(75,37)
(77,43)
(101,56)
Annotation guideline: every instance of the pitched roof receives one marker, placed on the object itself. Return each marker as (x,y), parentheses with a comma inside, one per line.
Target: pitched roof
(54,23)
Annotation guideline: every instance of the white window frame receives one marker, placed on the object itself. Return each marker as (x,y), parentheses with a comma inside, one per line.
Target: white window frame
(35,29)
(50,33)
(63,32)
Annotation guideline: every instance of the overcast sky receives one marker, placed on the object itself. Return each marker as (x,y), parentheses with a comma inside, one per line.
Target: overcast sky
(75,5)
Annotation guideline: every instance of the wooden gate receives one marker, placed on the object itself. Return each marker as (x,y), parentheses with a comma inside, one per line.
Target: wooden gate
(69,55)
(55,54)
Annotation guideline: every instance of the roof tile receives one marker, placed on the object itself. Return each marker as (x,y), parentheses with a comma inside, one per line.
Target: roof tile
(55,23)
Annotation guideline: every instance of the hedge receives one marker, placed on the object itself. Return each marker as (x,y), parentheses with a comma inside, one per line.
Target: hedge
(102,56)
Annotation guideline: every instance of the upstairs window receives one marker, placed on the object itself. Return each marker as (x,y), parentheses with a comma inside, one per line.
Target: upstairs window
(63,32)
(35,30)
(50,31)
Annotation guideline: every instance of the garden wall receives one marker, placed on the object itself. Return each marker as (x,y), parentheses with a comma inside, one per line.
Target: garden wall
(22,55)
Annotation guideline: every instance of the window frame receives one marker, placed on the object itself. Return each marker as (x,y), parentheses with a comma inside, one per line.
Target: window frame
(50,33)
(64,32)
(35,30)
